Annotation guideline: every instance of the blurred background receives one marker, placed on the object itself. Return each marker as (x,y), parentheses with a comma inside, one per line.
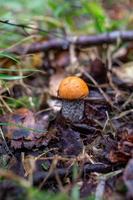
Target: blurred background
(60,17)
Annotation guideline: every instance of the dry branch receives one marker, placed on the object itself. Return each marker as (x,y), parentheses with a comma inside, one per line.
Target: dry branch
(81,41)
(63,172)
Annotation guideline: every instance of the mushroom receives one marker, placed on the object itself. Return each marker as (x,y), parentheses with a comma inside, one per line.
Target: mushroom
(72,91)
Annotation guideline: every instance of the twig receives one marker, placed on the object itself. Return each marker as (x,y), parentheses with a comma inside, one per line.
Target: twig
(109,74)
(129,99)
(52,168)
(99,88)
(123,114)
(79,42)
(107,121)
(5,104)
(24,26)
(101,185)
(100,189)
(62,172)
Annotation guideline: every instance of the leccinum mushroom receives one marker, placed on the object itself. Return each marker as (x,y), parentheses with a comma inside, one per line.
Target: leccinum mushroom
(72,90)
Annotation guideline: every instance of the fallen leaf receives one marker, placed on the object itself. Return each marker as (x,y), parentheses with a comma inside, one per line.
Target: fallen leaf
(22,130)
(125,73)
(55,81)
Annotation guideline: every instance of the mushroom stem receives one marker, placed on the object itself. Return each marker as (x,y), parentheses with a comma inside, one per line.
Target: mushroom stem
(73,110)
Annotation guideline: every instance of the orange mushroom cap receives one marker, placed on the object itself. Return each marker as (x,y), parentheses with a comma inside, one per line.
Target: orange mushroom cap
(72,87)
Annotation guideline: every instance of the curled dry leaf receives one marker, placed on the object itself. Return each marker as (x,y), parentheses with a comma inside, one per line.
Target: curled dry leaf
(21,129)
(18,124)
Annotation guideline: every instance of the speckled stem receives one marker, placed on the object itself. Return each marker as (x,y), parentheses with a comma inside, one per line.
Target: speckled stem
(73,110)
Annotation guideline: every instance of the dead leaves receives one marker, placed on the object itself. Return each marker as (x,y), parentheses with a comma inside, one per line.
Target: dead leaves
(21,129)
(124,149)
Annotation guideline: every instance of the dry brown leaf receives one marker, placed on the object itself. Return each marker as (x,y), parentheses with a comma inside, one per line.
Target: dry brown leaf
(125,73)
(55,81)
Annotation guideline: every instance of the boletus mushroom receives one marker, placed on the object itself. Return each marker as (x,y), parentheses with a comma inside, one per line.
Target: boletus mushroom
(72,90)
